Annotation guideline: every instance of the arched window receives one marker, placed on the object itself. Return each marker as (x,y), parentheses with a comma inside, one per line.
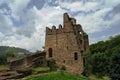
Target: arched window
(50,52)
(75,56)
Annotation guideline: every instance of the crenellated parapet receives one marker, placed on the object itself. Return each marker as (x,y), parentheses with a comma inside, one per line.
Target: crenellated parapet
(54,30)
(69,25)
(60,29)
(48,31)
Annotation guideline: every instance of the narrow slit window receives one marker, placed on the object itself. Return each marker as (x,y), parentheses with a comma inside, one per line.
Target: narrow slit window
(80,41)
(75,56)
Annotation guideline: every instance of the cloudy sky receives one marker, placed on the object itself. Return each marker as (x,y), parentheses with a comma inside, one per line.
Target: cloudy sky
(23,22)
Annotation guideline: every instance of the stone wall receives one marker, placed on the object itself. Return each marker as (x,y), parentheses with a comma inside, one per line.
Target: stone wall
(29,61)
(66,44)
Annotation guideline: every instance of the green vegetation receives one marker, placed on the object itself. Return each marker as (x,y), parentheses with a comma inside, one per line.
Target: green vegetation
(52,65)
(13,52)
(3,68)
(7,49)
(104,59)
(93,77)
(41,68)
(61,75)
(101,63)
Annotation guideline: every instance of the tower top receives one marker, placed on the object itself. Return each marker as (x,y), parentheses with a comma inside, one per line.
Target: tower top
(66,17)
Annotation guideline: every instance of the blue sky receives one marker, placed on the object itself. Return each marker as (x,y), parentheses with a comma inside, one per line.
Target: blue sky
(23,22)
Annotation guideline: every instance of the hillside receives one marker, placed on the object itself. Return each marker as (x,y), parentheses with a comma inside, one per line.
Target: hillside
(104,58)
(60,75)
(6,52)
(6,49)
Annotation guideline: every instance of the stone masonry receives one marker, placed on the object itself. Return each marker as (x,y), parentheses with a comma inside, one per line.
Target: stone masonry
(66,44)
(27,62)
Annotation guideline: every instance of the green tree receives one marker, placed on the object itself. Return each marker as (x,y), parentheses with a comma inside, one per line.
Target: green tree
(3,59)
(104,58)
(87,57)
(100,64)
(114,65)
(98,47)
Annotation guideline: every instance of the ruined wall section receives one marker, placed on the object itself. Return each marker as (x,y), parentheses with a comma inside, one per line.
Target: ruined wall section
(55,39)
(73,45)
(29,61)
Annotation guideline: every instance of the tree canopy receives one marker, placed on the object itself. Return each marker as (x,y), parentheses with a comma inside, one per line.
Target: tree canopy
(104,58)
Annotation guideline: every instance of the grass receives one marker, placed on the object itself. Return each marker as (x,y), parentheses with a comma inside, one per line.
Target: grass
(41,69)
(93,77)
(38,70)
(3,67)
(60,75)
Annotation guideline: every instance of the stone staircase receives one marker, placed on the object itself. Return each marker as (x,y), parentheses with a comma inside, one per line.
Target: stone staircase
(10,75)
(7,74)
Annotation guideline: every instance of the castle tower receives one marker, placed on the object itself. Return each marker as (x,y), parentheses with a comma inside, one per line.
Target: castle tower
(66,44)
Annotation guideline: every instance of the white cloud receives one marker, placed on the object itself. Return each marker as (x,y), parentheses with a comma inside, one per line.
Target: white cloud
(49,15)
(95,22)
(6,1)
(36,21)
(90,6)
(1,36)
(115,20)
(6,25)
(31,33)
(111,3)
(18,7)
(80,6)
(101,38)
(75,6)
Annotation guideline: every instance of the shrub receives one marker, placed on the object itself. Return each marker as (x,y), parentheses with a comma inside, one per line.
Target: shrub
(52,65)
(63,68)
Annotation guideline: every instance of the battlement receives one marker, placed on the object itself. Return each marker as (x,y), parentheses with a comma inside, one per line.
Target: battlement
(69,25)
(54,30)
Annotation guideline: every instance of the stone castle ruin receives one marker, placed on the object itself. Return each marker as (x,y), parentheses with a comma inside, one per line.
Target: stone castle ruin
(66,44)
